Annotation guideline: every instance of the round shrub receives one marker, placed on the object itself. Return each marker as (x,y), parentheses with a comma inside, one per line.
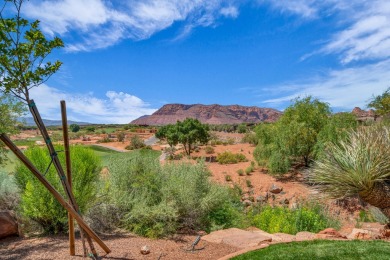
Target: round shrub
(39,204)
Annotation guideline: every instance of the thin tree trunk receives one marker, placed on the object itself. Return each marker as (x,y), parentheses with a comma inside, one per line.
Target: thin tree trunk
(378,196)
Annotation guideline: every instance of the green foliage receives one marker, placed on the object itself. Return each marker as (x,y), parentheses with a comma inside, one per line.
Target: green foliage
(300,135)
(249,170)
(250,138)
(158,200)
(136,142)
(74,128)
(90,129)
(307,217)
(188,132)
(278,163)
(228,177)
(209,150)
(240,172)
(37,202)
(335,130)
(248,183)
(228,157)
(10,110)
(9,192)
(121,136)
(354,165)
(322,249)
(381,103)
(241,128)
(23,50)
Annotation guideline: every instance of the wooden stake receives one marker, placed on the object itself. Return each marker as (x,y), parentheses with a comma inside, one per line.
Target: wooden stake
(52,190)
(72,249)
(56,162)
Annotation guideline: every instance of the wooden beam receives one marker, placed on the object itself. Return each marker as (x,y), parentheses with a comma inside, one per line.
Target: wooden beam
(72,248)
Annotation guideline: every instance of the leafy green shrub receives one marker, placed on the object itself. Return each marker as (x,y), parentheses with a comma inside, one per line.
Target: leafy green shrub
(307,217)
(230,158)
(105,139)
(9,192)
(90,129)
(228,177)
(74,128)
(157,200)
(38,204)
(279,163)
(136,142)
(249,170)
(209,150)
(250,138)
(248,183)
(240,172)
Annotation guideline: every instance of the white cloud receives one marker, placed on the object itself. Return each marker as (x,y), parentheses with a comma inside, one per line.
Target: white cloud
(117,107)
(95,24)
(229,11)
(365,32)
(342,89)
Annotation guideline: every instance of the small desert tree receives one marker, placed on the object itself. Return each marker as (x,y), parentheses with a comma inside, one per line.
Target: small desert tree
(357,166)
(191,131)
(168,133)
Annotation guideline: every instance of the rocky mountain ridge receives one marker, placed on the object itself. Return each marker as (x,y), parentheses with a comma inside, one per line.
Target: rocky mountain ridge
(210,114)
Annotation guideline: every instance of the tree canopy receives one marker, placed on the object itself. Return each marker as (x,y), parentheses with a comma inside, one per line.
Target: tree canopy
(23,51)
(187,132)
(381,103)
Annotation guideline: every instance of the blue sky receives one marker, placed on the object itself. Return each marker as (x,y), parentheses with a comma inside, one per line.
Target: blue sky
(124,59)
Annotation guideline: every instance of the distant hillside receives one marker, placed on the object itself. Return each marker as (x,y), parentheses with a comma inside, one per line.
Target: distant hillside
(209,114)
(29,121)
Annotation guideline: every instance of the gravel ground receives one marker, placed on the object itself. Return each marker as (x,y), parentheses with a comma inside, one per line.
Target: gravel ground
(124,246)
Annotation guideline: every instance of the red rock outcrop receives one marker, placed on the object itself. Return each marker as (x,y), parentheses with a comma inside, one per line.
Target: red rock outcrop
(209,114)
(358,112)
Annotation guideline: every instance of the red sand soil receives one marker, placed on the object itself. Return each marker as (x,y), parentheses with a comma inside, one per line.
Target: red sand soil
(123,246)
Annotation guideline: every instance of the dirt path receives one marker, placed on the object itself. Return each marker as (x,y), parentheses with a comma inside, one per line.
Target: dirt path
(123,246)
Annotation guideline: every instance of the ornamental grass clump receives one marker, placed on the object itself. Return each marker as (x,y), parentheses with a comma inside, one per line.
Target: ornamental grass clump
(357,166)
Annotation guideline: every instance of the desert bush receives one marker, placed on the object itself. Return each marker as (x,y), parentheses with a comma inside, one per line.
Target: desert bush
(240,172)
(248,183)
(230,158)
(136,142)
(9,192)
(90,129)
(157,200)
(250,138)
(105,139)
(39,204)
(278,163)
(121,136)
(306,217)
(74,128)
(249,170)
(228,177)
(209,150)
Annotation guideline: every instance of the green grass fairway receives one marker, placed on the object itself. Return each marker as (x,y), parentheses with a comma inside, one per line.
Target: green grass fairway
(107,154)
(323,249)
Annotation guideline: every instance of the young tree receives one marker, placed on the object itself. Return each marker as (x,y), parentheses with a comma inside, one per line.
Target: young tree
(168,133)
(191,131)
(23,50)
(300,124)
(381,103)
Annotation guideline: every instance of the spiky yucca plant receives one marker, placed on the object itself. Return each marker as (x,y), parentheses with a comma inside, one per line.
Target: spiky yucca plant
(360,165)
